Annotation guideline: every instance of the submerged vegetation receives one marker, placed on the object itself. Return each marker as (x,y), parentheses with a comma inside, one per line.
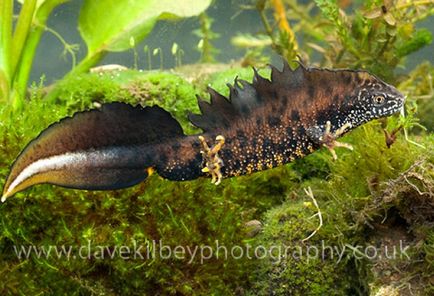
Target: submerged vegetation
(134,21)
(376,198)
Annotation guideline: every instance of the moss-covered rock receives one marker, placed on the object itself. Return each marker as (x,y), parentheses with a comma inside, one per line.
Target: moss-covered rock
(376,205)
(298,266)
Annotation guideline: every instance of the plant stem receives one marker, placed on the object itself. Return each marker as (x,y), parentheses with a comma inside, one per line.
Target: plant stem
(266,25)
(161,59)
(280,16)
(24,66)
(149,60)
(68,48)
(21,31)
(6,13)
(207,35)
(340,55)
(383,48)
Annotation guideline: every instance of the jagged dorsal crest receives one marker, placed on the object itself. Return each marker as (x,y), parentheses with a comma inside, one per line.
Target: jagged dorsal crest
(299,87)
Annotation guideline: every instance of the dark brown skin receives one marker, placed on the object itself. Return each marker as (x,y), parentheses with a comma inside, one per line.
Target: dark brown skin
(265,124)
(274,122)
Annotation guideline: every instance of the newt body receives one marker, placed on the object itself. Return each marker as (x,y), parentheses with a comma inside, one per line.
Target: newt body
(263,124)
(282,119)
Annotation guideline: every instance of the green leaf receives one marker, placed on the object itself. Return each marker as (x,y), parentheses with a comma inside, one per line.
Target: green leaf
(110,24)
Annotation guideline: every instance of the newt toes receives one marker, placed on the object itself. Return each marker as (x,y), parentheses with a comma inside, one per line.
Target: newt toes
(263,124)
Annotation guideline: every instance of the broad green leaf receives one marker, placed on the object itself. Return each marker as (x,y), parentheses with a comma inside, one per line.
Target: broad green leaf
(109,25)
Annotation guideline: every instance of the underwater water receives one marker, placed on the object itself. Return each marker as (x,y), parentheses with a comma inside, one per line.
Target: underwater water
(229,18)
(292,213)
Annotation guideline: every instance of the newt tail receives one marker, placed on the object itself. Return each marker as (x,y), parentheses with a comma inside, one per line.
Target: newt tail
(263,124)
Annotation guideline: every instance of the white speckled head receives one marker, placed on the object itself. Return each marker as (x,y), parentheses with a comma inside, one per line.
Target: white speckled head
(375,99)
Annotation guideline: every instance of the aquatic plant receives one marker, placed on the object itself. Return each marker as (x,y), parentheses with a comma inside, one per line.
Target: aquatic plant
(134,21)
(374,195)
(206,35)
(360,35)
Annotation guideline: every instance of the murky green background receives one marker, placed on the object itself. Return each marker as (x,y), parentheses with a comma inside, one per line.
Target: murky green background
(230,17)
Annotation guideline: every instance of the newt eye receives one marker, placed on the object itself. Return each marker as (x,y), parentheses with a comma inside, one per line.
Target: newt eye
(378,100)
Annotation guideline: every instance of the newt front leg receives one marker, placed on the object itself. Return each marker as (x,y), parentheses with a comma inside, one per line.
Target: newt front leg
(328,139)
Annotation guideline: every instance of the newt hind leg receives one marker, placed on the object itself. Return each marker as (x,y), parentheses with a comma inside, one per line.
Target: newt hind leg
(213,162)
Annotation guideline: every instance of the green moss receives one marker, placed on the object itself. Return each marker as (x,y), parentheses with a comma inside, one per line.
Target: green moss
(170,91)
(297,271)
(354,194)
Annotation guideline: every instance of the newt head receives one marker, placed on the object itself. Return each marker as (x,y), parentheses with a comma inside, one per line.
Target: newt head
(373,99)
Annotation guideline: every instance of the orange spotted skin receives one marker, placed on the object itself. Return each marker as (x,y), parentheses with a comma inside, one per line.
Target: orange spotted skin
(268,123)
(265,124)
